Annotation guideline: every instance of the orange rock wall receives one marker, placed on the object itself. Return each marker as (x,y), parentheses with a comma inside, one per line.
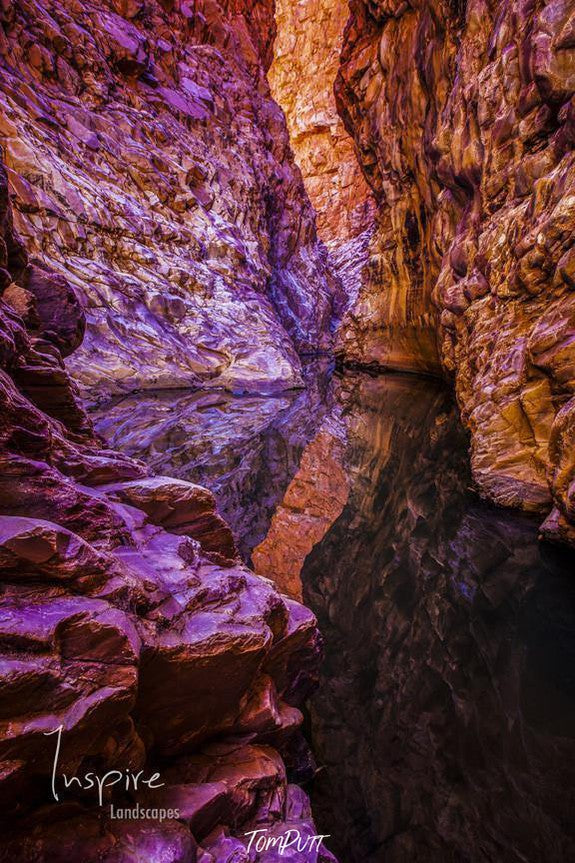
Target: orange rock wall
(464,116)
(305,65)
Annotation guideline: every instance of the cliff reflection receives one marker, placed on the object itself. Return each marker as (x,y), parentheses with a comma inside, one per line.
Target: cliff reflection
(444,725)
(445,717)
(245,449)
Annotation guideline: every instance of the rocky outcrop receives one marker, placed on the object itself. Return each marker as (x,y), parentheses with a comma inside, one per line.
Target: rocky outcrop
(128,622)
(302,75)
(150,167)
(464,118)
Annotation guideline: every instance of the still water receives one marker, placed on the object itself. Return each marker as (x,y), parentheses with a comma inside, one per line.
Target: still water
(444,724)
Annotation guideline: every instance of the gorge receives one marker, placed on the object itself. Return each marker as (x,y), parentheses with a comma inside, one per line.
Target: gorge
(287,439)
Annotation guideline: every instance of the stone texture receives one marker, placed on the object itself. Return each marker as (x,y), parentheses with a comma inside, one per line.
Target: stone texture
(150,169)
(182,508)
(302,75)
(126,619)
(81,837)
(463,115)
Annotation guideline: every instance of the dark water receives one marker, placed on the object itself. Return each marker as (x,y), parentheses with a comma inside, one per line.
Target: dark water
(444,725)
(244,448)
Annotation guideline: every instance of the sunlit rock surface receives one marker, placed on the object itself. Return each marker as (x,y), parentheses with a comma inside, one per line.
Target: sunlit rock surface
(302,75)
(128,620)
(464,117)
(149,165)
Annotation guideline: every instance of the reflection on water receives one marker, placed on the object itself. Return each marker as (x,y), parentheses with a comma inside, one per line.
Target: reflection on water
(446,714)
(445,720)
(244,448)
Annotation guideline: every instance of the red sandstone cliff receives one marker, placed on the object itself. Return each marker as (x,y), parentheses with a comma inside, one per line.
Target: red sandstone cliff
(126,619)
(154,185)
(302,75)
(464,117)
(149,166)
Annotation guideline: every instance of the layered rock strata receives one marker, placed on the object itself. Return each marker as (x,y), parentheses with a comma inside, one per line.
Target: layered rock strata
(302,75)
(127,621)
(464,116)
(150,167)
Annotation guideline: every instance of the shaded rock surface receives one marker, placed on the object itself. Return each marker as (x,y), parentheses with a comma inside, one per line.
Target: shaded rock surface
(128,621)
(463,116)
(150,167)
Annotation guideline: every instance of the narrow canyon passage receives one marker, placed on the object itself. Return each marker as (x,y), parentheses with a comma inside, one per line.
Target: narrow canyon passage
(287,431)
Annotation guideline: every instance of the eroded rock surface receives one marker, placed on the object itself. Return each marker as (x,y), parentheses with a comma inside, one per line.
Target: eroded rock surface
(464,117)
(150,167)
(302,75)
(128,620)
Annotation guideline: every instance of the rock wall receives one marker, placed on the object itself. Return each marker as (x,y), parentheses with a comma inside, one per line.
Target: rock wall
(150,167)
(464,117)
(302,75)
(127,620)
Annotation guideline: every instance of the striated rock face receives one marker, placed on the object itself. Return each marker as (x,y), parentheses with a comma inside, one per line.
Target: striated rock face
(150,167)
(465,120)
(126,619)
(302,75)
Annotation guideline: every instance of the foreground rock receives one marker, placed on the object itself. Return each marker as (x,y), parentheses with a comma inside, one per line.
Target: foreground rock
(128,622)
(150,167)
(465,121)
